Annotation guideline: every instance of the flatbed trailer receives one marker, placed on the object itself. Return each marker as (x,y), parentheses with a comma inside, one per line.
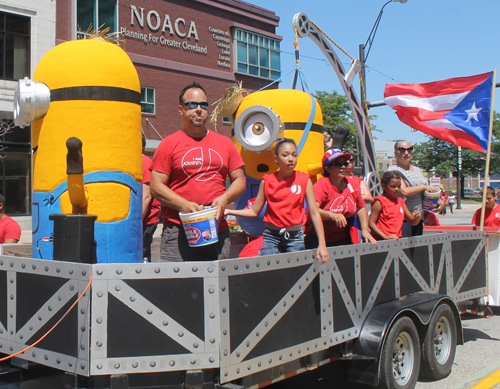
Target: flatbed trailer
(390,309)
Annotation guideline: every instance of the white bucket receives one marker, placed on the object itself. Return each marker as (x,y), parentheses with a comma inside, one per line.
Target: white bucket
(430,200)
(200,227)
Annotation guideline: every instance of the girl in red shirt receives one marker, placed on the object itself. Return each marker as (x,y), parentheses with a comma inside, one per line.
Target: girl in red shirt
(284,192)
(389,210)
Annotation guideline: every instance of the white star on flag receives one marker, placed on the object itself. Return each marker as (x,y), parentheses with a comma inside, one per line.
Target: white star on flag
(472,113)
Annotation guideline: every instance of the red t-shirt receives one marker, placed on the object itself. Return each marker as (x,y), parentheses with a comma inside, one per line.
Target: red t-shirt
(329,198)
(152,214)
(491,217)
(197,168)
(285,199)
(392,215)
(9,229)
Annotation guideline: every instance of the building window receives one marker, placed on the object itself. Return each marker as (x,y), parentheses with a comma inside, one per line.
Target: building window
(14,46)
(226,120)
(96,15)
(15,168)
(257,55)
(147,100)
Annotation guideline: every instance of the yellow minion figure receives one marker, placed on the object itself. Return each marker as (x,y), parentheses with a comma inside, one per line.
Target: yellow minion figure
(261,119)
(91,94)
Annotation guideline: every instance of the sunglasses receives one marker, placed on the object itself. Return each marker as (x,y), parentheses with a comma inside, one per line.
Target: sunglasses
(194,104)
(403,150)
(340,164)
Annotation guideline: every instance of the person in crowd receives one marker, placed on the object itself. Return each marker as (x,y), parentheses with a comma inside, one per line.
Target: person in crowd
(150,207)
(365,191)
(10,231)
(389,210)
(491,213)
(338,200)
(327,140)
(451,202)
(413,184)
(188,172)
(431,219)
(285,192)
(444,198)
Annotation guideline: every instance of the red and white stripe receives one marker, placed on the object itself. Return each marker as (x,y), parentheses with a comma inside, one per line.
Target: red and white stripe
(422,106)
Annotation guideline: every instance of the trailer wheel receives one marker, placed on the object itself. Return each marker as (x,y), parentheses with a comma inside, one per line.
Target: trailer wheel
(439,346)
(400,360)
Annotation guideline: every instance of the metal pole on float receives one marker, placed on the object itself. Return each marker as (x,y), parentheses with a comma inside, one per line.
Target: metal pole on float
(459,177)
(488,152)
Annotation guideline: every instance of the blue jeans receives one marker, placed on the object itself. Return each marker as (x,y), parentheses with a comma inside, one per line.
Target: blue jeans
(274,243)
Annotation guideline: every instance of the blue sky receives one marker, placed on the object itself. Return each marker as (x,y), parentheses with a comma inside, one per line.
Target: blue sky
(416,42)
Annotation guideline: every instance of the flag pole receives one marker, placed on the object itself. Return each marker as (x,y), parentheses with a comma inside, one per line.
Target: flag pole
(488,153)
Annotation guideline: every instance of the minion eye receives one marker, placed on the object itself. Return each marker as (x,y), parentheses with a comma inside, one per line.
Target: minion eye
(257,128)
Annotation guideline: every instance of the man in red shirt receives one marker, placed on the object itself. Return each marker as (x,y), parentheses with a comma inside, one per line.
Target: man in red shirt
(150,207)
(491,213)
(10,232)
(189,172)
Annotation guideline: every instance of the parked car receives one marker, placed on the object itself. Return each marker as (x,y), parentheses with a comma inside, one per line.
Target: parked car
(468,192)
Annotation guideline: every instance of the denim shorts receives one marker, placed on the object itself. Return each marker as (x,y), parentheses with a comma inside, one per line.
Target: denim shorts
(275,243)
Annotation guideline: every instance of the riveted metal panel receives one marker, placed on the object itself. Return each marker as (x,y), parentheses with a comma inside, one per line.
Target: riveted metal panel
(39,320)
(172,315)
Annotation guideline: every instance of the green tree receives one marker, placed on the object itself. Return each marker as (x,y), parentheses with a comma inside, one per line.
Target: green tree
(442,156)
(337,113)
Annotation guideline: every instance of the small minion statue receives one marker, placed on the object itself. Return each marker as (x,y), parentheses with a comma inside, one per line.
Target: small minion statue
(86,93)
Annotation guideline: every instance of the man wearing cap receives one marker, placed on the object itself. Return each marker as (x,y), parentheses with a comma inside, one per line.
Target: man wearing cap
(189,172)
(338,200)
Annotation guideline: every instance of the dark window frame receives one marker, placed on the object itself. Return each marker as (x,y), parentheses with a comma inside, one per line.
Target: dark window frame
(5,35)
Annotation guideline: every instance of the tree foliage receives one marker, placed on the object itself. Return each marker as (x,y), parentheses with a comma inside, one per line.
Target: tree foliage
(442,156)
(337,113)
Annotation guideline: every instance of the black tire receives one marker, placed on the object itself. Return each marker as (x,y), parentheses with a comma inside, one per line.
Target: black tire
(400,359)
(439,345)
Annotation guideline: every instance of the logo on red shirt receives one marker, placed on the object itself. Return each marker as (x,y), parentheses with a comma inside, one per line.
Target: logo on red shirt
(296,189)
(195,162)
(340,204)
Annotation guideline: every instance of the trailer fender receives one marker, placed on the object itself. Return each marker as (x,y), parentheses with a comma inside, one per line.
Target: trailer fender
(366,350)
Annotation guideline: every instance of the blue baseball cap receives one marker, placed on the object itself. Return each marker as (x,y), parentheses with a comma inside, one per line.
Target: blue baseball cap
(332,154)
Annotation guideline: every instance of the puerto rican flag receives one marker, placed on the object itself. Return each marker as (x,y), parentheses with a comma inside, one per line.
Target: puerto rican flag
(456,110)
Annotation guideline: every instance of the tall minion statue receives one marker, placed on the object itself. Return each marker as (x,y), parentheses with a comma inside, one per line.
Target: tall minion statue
(85,98)
(262,118)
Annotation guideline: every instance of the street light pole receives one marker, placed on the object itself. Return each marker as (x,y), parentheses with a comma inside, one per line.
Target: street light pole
(364,51)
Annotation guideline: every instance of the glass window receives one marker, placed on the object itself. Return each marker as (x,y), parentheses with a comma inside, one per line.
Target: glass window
(147,100)
(264,58)
(226,120)
(96,14)
(242,52)
(275,60)
(253,55)
(15,167)
(257,55)
(14,46)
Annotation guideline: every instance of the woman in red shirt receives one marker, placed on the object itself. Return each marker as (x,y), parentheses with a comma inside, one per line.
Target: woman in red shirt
(338,199)
(389,210)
